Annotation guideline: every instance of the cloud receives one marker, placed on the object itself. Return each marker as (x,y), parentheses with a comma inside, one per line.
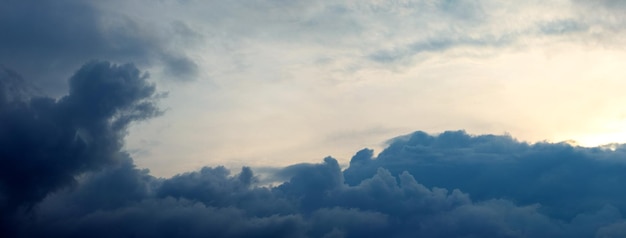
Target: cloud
(610,4)
(561,27)
(14,88)
(488,166)
(46,40)
(441,44)
(46,143)
(312,57)
(64,174)
(64,171)
(210,202)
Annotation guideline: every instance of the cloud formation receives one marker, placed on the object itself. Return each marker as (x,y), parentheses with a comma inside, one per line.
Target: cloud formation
(64,171)
(46,143)
(488,166)
(64,174)
(315,202)
(46,40)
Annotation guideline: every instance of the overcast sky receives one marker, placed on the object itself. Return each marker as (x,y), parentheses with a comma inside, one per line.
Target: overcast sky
(271,83)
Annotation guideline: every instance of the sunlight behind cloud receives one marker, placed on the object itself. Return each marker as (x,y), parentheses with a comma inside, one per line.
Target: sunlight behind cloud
(330,118)
(268,115)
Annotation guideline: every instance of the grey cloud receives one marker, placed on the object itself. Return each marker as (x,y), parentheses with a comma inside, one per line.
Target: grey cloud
(182,67)
(610,4)
(562,27)
(461,10)
(170,218)
(46,143)
(469,24)
(382,205)
(489,166)
(64,174)
(437,44)
(342,222)
(14,88)
(447,185)
(451,40)
(46,40)
(617,229)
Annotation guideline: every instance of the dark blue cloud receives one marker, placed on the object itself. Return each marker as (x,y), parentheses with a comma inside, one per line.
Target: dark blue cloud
(565,180)
(63,173)
(14,88)
(212,203)
(45,143)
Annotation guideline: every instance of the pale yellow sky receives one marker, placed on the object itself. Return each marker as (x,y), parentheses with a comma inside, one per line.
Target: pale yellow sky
(553,93)
(315,79)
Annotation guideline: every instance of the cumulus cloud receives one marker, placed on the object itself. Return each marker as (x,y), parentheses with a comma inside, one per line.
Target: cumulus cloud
(46,143)
(313,203)
(447,185)
(64,171)
(489,166)
(64,174)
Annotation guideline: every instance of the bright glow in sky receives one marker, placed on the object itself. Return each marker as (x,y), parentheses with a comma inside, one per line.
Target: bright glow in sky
(272,83)
(235,107)
(294,82)
(555,93)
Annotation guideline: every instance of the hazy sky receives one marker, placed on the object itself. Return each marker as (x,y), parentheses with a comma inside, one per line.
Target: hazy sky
(271,83)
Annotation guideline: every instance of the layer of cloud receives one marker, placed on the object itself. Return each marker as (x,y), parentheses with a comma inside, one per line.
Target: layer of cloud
(315,202)
(64,174)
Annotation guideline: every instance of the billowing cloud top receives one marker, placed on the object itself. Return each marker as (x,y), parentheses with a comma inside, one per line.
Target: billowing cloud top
(331,69)
(64,174)
(46,143)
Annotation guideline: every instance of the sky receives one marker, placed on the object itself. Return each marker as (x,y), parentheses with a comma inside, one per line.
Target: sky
(269,83)
(323,118)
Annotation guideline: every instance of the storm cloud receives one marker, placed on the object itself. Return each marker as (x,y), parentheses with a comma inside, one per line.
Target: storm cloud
(305,72)
(315,202)
(47,40)
(45,143)
(65,174)
(489,166)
